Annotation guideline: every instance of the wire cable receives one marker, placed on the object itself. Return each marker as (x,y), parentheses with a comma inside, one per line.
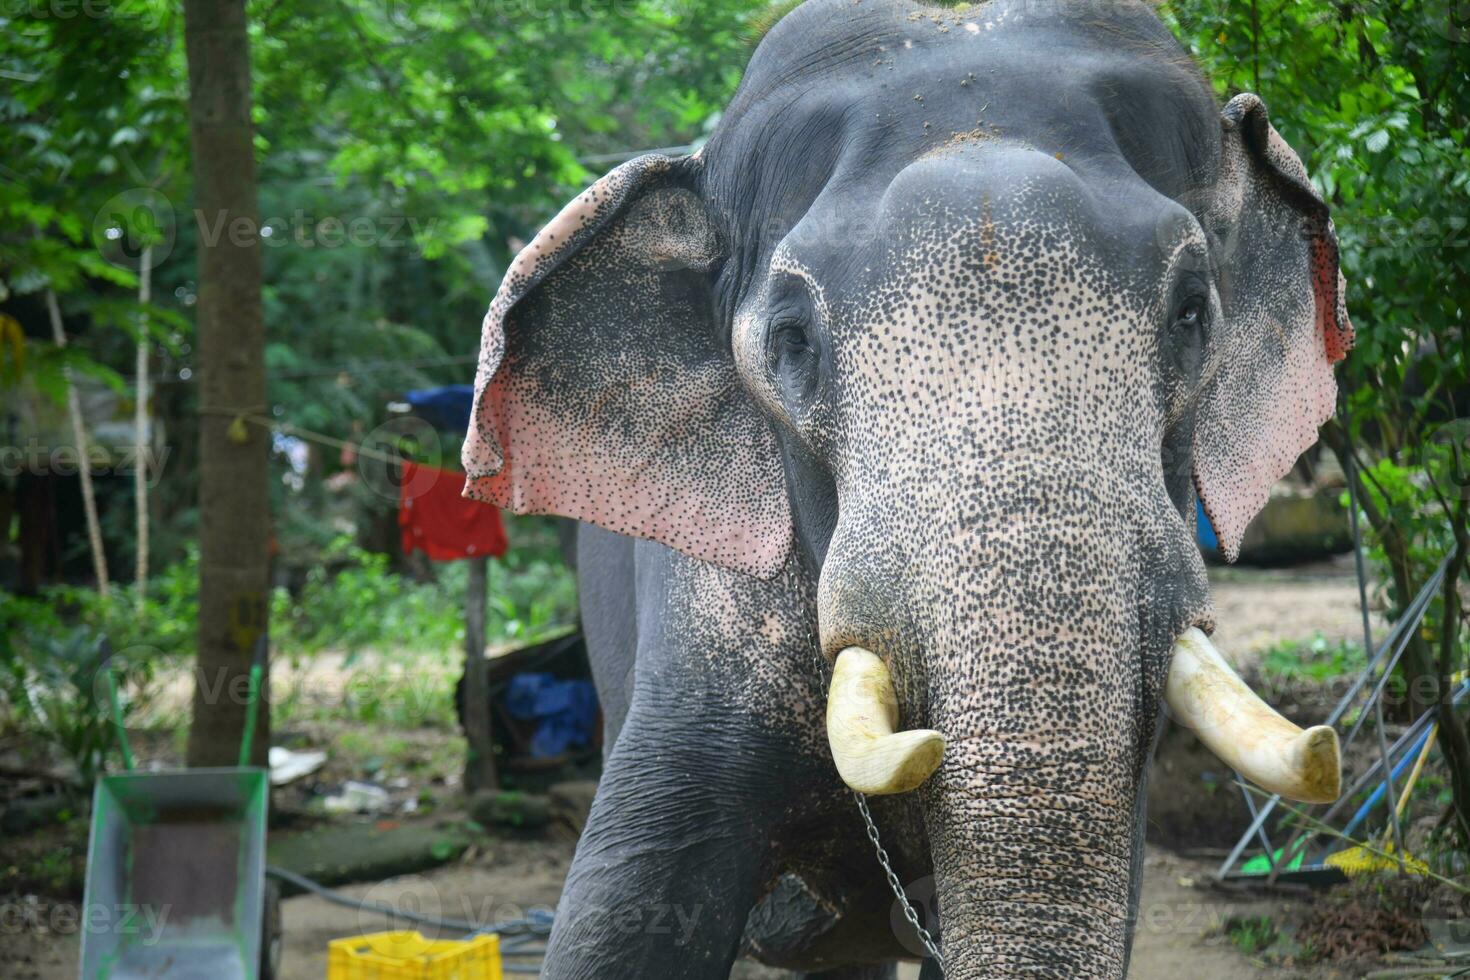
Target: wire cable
(531,926)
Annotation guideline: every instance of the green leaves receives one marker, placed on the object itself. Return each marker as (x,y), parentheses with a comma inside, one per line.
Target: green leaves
(1375,95)
(1376,98)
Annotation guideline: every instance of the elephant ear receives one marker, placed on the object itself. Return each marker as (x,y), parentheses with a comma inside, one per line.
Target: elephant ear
(603,392)
(1270,384)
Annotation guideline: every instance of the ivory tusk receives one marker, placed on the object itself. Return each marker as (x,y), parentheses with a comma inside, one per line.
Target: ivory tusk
(861,715)
(1246,733)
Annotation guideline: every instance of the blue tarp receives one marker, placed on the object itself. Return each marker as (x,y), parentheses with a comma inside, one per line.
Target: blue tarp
(446,408)
(1204,531)
(565,712)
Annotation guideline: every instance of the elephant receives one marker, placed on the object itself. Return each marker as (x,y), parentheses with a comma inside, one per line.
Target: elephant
(885,414)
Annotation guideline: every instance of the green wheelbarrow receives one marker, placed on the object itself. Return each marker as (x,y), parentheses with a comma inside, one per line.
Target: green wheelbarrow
(176,886)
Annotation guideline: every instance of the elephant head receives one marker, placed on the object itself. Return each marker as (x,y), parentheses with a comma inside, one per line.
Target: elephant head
(958,311)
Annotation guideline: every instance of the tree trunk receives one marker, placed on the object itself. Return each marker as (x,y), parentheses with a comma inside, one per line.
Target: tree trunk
(479,767)
(1454,739)
(1417,666)
(84,457)
(140,438)
(233,502)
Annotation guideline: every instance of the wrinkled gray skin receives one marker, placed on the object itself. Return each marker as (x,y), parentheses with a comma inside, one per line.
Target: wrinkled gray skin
(943,322)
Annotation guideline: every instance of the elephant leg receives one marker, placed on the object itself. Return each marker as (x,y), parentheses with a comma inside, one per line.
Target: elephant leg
(930,971)
(672,856)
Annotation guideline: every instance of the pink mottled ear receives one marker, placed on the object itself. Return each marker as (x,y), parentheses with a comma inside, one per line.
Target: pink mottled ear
(1271,381)
(603,391)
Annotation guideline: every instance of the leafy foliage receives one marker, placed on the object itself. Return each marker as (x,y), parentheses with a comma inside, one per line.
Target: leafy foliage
(403,150)
(53,654)
(1375,95)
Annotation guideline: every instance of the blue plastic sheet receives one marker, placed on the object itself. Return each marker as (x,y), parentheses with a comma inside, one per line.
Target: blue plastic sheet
(565,712)
(1204,530)
(446,408)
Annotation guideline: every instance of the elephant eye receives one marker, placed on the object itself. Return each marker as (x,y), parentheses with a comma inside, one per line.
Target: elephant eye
(1191,315)
(1188,335)
(789,337)
(792,356)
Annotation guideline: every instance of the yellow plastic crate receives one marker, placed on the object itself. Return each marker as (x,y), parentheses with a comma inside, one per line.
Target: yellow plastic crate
(406,955)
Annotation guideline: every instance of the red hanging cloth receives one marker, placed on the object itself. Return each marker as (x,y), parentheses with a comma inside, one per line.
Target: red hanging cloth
(435,519)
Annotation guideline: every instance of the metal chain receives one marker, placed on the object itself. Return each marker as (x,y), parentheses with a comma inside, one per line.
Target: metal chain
(909,912)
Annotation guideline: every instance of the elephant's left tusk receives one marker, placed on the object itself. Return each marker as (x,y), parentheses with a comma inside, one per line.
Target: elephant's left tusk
(861,715)
(1205,695)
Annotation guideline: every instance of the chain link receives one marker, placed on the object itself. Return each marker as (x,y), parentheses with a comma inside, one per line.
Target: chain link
(909,912)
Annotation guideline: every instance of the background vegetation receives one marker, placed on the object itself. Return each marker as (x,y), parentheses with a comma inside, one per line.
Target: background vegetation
(1375,96)
(406,148)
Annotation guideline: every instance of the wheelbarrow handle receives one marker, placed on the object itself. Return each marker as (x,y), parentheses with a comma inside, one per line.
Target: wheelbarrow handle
(252,698)
(117,715)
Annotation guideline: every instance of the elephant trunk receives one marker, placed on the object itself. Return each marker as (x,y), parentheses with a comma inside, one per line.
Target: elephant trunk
(1025,639)
(1033,816)
(1034,860)
(1031,626)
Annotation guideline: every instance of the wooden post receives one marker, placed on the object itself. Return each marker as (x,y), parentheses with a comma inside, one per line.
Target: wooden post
(479,767)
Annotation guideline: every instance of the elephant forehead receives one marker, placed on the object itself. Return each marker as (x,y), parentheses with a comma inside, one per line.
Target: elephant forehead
(843,90)
(1018,305)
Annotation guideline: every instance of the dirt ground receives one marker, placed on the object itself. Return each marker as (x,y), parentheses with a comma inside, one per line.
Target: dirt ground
(1180,935)
(1180,932)
(1256,608)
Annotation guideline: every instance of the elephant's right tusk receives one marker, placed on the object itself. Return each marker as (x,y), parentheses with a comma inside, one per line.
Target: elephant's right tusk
(1205,695)
(861,714)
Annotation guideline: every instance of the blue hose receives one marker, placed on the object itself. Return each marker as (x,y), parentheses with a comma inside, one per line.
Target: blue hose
(1378,794)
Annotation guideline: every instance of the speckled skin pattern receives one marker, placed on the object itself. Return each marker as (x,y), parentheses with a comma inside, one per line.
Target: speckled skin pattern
(929,350)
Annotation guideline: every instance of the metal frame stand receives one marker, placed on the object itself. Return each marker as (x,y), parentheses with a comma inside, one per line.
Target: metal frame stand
(1382,664)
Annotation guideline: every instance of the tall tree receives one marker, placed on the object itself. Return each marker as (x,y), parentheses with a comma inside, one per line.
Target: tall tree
(233,504)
